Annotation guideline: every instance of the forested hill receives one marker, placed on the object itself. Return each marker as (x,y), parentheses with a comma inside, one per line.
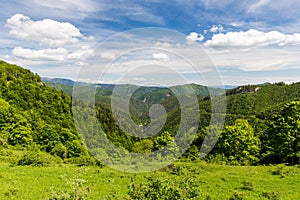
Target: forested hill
(262,121)
(242,101)
(252,99)
(35,115)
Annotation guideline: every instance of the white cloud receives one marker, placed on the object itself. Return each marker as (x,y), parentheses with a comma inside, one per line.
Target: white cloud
(257,5)
(66,9)
(79,63)
(237,24)
(107,55)
(74,5)
(81,54)
(58,54)
(251,39)
(215,29)
(46,41)
(161,57)
(46,32)
(261,59)
(163,44)
(48,55)
(193,36)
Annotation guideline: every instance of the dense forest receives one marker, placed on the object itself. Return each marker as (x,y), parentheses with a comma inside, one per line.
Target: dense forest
(262,121)
(34,116)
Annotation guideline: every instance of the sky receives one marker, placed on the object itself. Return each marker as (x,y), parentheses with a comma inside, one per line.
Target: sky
(241,42)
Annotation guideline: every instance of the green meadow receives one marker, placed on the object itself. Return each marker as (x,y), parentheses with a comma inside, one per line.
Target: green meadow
(207,180)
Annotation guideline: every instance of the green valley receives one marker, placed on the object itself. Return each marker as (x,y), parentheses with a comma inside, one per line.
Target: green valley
(43,154)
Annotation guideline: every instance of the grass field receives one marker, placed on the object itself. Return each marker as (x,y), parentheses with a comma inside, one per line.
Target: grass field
(214,181)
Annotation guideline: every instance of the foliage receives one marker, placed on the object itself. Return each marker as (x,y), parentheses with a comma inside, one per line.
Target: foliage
(262,121)
(284,135)
(144,146)
(33,114)
(34,159)
(156,187)
(238,143)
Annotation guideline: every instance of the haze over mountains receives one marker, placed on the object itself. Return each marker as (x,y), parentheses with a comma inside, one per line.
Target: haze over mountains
(69,82)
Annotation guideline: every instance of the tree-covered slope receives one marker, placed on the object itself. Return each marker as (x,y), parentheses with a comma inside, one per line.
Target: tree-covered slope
(254,99)
(32,114)
(35,115)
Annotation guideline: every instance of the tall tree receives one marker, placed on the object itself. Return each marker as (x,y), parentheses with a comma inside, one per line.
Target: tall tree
(284,135)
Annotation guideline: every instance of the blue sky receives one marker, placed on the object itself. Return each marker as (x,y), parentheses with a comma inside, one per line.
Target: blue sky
(249,41)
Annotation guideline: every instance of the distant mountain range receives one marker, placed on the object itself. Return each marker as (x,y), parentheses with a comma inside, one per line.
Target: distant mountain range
(241,100)
(62,81)
(70,82)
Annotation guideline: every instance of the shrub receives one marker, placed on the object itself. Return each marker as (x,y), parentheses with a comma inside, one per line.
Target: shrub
(37,159)
(84,161)
(156,187)
(32,159)
(218,159)
(60,150)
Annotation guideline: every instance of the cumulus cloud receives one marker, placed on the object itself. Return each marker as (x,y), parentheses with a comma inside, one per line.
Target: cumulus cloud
(193,36)
(215,29)
(47,41)
(46,32)
(161,57)
(58,54)
(81,54)
(251,39)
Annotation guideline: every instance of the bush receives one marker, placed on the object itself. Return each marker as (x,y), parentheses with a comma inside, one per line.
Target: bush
(60,150)
(218,159)
(75,148)
(156,187)
(83,161)
(36,159)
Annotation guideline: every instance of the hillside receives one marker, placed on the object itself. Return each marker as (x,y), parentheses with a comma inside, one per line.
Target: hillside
(252,99)
(35,115)
(252,112)
(142,99)
(241,100)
